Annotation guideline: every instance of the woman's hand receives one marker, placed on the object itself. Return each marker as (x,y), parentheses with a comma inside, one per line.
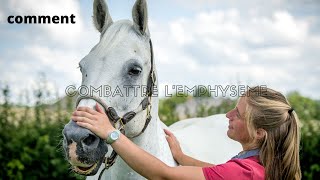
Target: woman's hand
(174,146)
(96,121)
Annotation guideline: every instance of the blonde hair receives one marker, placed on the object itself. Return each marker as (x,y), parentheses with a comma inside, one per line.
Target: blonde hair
(279,148)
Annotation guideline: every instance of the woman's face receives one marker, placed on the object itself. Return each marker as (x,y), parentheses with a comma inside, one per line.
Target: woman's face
(237,129)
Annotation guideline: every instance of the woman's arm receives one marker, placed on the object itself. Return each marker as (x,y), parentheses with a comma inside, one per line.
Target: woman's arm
(179,156)
(189,161)
(139,160)
(150,167)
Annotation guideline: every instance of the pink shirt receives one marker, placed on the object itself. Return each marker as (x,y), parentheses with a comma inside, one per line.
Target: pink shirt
(249,168)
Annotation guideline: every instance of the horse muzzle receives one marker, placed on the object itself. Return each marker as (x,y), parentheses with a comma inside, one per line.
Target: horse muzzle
(83,149)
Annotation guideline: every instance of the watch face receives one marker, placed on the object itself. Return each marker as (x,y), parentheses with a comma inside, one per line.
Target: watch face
(114,135)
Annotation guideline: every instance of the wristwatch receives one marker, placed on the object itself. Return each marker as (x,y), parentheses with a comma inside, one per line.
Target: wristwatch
(113,136)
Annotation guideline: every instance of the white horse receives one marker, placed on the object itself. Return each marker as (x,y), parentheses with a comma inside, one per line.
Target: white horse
(123,62)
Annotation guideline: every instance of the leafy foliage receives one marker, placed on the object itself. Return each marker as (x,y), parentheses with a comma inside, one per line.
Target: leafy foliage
(30,147)
(306,108)
(308,111)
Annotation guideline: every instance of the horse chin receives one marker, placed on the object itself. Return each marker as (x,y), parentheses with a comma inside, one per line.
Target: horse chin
(87,170)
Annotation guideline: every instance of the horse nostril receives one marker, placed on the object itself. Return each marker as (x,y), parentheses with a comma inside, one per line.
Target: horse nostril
(89,140)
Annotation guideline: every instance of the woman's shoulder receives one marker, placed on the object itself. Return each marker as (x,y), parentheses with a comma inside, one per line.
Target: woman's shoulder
(249,168)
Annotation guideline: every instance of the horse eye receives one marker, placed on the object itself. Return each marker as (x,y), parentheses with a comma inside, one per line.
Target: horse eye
(135,70)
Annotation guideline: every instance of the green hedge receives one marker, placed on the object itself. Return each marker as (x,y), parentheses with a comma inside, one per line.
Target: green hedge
(30,146)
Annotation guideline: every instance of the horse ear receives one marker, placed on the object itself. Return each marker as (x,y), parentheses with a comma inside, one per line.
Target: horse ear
(140,16)
(101,17)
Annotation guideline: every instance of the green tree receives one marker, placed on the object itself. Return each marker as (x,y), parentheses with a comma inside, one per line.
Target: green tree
(309,153)
(308,113)
(305,107)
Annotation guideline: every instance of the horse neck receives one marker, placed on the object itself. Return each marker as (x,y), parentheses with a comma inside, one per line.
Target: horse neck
(152,133)
(153,139)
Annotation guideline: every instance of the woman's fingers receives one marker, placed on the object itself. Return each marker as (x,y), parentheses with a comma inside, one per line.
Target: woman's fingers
(88,110)
(94,120)
(172,140)
(85,125)
(167,132)
(83,114)
(174,145)
(82,119)
(99,109)
(170,134)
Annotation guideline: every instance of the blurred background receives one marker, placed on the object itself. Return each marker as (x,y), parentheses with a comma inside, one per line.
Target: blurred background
(206,42)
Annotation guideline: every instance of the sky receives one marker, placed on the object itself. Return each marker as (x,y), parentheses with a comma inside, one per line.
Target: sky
(275,43)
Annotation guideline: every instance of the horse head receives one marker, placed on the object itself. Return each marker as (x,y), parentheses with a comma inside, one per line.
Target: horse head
(118,73)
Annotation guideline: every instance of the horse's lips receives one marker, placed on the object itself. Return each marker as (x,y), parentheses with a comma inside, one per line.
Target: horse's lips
(78,164)
(84,170)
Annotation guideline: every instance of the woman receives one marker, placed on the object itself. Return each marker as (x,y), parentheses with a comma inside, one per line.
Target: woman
(262,121)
